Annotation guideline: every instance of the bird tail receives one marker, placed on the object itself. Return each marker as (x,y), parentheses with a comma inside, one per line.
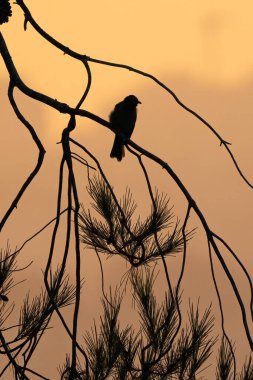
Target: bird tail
(118,150)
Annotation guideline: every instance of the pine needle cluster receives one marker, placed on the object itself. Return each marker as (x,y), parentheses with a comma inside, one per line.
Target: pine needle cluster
(115,232)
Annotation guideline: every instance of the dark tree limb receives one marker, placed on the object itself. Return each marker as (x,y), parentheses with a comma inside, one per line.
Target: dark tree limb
(35,171)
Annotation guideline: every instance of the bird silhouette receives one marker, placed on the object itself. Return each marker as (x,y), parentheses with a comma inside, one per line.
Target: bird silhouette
(123,119)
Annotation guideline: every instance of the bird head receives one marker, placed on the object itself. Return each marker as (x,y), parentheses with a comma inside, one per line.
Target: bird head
(131,100)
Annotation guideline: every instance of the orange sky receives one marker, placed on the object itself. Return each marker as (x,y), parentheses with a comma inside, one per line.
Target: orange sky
(202,50)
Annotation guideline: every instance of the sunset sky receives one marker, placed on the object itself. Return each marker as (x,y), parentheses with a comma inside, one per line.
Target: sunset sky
(202,50)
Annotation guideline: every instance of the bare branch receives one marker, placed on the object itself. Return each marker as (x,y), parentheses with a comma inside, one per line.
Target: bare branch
(39,162)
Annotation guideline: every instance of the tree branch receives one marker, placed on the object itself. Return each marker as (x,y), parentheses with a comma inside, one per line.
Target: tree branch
(84,58)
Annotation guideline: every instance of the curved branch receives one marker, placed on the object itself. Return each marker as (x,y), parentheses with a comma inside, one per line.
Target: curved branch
(39,161)
(220,307)
(242,266)
(33,236)
(88,86)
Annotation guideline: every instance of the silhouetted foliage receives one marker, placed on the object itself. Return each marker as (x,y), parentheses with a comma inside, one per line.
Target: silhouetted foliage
(224,369)
(247,371)
(5,11)
(164,345)
(117,233)
(149,353)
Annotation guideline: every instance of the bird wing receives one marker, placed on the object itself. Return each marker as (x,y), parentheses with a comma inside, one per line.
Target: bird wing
(123,118)
(116,115)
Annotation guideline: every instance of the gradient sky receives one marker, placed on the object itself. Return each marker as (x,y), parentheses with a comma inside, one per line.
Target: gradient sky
(201,50)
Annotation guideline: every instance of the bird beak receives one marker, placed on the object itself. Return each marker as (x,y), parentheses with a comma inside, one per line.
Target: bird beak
(139,102)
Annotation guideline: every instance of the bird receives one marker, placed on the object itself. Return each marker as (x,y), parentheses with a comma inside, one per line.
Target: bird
(123,119)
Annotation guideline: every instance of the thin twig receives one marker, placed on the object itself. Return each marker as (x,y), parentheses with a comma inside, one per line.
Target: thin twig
(82,160)
(34,235)
(220,306)
(242,266)
(102,278)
